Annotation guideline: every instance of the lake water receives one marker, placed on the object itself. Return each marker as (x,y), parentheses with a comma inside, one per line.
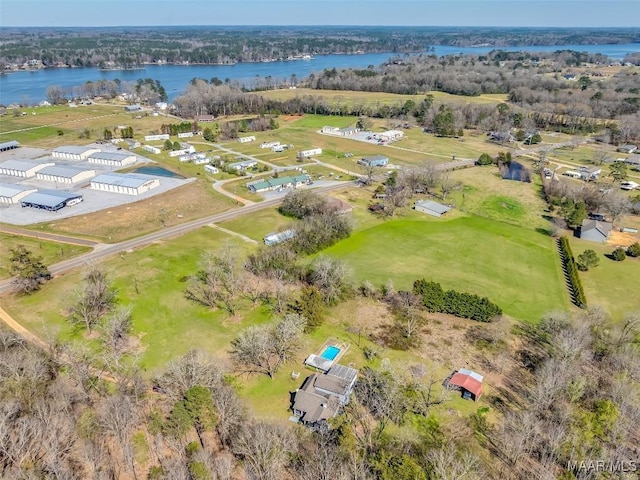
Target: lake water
(157,171)
(31,87)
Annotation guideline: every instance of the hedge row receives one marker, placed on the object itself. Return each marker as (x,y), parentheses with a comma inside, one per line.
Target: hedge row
(460,304)
(571,271)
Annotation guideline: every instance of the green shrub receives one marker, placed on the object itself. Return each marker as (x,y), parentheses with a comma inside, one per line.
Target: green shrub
(571,270)
(634,250)
(618,254)
(485,159)
(587,259)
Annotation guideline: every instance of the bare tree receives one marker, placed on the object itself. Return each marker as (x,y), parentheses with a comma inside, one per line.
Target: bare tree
(94,299)
(332,277)
(115,330)
(193,368)
(264,449)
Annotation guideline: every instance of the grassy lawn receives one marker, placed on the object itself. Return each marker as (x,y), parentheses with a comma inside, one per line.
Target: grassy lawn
(51,252)
(188,202)
(611,285)
(470,254)
(486,194)
(259,224)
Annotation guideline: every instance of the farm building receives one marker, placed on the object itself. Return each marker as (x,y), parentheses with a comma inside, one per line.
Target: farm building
(204,118)
(73,152)
(61,174)
(627,148)
(20,168)
(595,230)
(211,169)
(309,153)
(11,193)
(468,382)
(4,146)
(151,149)
(51,200)
(156,138)
(248,139)
(279,183)
(374,161)
(132,108)
(112,159)
(431,208)
(321,396)
(127,183)
(243,165)
(279,237)
(185,135)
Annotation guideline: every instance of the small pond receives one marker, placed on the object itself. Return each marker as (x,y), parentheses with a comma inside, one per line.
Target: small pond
(515,171)
(158,171)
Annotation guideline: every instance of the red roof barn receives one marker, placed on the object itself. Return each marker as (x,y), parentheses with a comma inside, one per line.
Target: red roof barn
(467,381)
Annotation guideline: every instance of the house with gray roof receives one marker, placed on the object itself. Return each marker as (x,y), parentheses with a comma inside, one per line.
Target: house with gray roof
(321,396)
(595,230)
(374,161)
(279,183)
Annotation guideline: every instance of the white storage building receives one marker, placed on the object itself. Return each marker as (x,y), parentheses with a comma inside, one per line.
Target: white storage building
(250,138)
(151,149)
(211,169)
(309,153)
(112,159)
(155,138)
(73,152)
(21,168)
(60,174)
(11,193)
(127,183)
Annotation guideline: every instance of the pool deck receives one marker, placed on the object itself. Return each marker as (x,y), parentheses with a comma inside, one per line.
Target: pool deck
(318,362)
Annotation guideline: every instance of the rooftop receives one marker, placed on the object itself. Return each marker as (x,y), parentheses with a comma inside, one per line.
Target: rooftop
(11,189)
(602,227)
(111,156)
(433,206)
(133,180)
(62,171)
(50,198)
(20,165)
(73,149)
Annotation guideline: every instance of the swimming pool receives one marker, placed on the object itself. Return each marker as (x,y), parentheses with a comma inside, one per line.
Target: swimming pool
(330,353)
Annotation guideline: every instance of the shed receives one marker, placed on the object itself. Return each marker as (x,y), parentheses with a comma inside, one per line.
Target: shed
(51,200)
(21,168)
(61,174)
(595,230)
(468,382)
(11,193)
(73,152)
(431,208)
(112,159)
(374,161)
(127,183)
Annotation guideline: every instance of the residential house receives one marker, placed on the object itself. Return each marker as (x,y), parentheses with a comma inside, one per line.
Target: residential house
(322,396)
(374,161)
(279,183)
(590,173)
(243,165)
(309,153)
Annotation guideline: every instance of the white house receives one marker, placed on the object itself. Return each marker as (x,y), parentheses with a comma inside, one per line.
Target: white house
(269,144)
(60,174)
(112,159)
(211,169)
(20,168)
(73,152)
(155,138)
(185,135)
(12,193)
(248,139)
(127,183)
(242,165)
(329,130)
(309,153)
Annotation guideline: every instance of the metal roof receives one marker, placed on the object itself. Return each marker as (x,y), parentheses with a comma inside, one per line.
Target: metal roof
(276,182)
(20,165)
(340,371)
(12,189)
(133,180)
(433,206)
(373,158)
(73,149)
(49,198)
(61,171)
(111,156)
(9,144)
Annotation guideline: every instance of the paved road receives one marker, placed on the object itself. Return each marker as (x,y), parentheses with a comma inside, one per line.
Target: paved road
(103,251)
(47,236)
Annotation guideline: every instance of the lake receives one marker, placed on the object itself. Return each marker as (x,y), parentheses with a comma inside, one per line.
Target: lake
(31,86)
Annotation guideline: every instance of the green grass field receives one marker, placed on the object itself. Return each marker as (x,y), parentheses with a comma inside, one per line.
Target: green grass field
(611,285)
(516,268)
(51,252)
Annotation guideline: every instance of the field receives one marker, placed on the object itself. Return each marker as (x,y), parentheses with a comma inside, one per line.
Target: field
(611,285)
(469,254)
(191,201)
(51,252)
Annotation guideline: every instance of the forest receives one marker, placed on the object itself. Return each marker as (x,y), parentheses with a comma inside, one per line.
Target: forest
(131,46)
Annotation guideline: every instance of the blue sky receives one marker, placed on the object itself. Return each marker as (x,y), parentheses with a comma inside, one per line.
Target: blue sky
(562,13)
